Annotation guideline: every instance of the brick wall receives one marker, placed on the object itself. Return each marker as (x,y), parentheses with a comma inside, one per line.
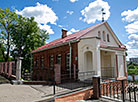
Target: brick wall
(46,73)
(82,95)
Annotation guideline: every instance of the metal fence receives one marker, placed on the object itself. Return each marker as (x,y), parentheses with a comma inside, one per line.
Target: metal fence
(120,90)
(69,85)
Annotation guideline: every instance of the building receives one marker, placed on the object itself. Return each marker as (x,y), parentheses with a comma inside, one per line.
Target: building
(133,60)
(95,49)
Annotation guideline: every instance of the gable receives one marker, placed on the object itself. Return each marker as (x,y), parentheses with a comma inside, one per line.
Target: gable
(106,35)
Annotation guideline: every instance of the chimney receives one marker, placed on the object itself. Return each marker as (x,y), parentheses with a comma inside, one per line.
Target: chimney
(64,33)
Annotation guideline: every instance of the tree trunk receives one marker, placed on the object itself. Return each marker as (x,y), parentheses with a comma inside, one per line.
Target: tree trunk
(3,54)
(133,77)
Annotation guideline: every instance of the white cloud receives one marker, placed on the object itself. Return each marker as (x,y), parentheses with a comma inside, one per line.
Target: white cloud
(72,31)
(73,1)
(133,37)
(46,27)
(132,53)
(130,15)
(60,26)
(93,12)
(70,12)
(80,18)
(42,14)
(132,46)
(132,27)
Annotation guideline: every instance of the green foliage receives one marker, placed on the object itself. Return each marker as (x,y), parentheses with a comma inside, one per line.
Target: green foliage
(133,71)
(7,19)
(31,37)
(19,36)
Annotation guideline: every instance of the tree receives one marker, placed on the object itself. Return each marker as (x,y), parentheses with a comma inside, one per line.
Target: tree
(7,19)
(132,69)
(133,72)
(19,36)
(1,51)
(27,36)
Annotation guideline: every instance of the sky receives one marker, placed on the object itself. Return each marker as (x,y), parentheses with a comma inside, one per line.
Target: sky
(75,15)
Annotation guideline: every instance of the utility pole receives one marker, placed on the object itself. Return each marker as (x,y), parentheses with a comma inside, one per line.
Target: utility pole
(103,13)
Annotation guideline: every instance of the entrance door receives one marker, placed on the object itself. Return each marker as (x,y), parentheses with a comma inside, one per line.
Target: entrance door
(107,69)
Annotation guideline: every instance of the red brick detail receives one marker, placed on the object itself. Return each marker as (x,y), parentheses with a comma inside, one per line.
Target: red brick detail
(57,73)
(117,83)
(3,69)
(82,95)
(46,73)
(96,89)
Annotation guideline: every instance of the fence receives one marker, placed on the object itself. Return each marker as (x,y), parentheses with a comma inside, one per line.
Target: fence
(120,90)
(8,68)
(69,85)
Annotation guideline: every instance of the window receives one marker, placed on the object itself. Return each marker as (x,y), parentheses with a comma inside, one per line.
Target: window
(99,34)
(67,60)
(59,59)
(42,62)
(104,39)
(36,62)
(51,62)
(108,38)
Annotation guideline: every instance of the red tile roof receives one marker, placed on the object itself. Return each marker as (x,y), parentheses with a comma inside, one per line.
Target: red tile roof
(70,37)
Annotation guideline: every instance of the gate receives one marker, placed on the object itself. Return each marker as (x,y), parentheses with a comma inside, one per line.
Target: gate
(119,90)
(83,80)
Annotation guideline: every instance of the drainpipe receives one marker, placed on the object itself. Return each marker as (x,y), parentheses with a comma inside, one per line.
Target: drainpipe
(70,60)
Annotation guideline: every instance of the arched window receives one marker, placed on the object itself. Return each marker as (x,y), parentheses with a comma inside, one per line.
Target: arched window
(104,39)
(99,34)
(108,39)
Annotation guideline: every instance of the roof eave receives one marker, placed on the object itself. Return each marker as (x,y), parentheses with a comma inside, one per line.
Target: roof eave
(58,45)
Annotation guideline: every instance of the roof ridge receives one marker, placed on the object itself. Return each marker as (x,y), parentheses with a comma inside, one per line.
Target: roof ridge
(73,36)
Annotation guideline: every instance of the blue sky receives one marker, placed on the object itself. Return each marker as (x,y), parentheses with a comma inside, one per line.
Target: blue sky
(74,15)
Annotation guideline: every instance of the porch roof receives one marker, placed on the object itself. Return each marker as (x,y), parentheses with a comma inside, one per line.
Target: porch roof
(114,48)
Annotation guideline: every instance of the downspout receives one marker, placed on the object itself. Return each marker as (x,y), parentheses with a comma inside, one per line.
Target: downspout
(70,60)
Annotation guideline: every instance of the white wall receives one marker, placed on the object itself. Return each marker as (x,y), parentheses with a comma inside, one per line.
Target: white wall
(121,65)
(89,42)
(92,45)
(101,29)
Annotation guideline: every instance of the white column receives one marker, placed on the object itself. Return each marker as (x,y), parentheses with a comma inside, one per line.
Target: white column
(97,62)
(18,68)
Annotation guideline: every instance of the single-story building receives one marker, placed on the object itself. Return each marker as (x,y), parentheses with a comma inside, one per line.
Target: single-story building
(95,49)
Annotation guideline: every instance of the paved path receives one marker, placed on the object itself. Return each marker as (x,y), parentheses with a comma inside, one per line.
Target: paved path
(19,93)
